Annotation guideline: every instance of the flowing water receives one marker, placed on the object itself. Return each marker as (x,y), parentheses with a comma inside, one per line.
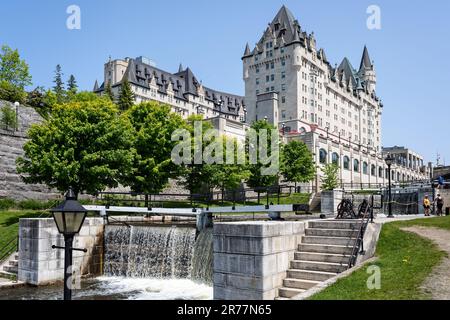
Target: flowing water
(143,263)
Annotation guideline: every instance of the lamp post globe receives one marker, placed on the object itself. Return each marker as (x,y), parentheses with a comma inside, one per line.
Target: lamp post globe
(389,161)
(69,218)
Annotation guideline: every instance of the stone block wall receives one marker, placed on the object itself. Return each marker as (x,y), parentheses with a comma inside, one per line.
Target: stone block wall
(330,201)
(11,144)
(39,264)
(251,258)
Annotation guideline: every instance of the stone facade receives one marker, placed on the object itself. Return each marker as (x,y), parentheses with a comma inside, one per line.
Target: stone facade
(11,147)
(39,264)
(251,258)
(334,109)
(181,91)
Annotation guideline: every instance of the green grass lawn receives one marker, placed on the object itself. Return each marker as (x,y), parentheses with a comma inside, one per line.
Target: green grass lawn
(9,224)
(405,260)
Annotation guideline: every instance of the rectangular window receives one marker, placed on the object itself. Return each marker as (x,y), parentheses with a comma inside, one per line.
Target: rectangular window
(283,62)
(283,99)
(257,70)
(283,75)
(283,114)
(257,81)
(283,87)
(272,77)
(272,65)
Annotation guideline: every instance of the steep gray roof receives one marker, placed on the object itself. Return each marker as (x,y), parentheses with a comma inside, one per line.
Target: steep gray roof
(365,60)
(183,83)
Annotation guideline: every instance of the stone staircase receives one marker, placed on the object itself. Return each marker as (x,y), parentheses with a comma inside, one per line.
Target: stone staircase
(324,252)
(10,267)
(315,201)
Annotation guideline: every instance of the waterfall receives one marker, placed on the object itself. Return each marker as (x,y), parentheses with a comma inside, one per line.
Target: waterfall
(148,252)
(202,261)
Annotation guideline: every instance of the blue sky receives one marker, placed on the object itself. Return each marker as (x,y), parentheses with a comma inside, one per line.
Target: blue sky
(410,51)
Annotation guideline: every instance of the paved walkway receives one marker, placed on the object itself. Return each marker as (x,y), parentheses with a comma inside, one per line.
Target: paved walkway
(438,282)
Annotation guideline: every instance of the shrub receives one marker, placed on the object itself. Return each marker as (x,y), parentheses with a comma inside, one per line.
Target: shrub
(12,93)
(35,204)
(6,204)
(8,118)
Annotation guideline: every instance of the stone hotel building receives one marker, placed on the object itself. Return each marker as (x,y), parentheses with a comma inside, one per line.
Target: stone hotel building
(333,108)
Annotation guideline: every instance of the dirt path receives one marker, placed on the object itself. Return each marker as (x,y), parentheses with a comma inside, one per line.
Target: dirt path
(438,282)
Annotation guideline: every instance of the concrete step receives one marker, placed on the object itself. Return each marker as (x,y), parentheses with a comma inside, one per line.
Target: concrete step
(322,257)
(332,233)
(319,266)
(289,292)
(309,275)
(338,241)
(8,275)
(281,298)
(11,269)
(14,263)
(322,248)
(334,224)
(299,283)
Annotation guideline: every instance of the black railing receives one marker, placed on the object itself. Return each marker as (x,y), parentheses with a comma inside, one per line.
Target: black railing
(9,248)
(244,196)
(358,246)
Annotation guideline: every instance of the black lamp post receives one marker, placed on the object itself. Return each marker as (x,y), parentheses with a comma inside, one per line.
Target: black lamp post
(69,217)
(389,161)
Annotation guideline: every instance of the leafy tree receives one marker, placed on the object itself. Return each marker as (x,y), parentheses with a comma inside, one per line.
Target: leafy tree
(109,92)
(153,125)
(72,86)
(197,177)
(83,145)
(8,117)
(229,176)
(297,163)
(59,85)
(12,93)
(126,96)
(12,69)
(330,177)
(257,179)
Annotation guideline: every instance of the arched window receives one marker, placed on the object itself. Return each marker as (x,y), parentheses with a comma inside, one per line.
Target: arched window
(380,172)
(403,177)
(346,163)
(398,176)
(356,165)
(386,173)
(373,171)
(302,130)
(335,158)
(322,156)
(365,168)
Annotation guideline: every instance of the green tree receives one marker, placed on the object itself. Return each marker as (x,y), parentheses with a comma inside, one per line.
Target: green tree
(197,178)
(8,118)
(12,93)
(229,176)
(297,163)
(72,86)
(330,177)
(12,69)
(126,96)
(59,85)
(153,125)
(257,179)
(83,145)
(109,93)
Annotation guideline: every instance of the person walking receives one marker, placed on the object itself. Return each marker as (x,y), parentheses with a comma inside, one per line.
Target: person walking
(439,204)
(427,206)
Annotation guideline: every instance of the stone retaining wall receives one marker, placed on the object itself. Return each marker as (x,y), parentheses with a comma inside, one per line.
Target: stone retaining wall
(11,144)
(251,258)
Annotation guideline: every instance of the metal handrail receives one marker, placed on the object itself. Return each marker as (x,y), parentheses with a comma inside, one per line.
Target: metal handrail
(360,238)
(7,249)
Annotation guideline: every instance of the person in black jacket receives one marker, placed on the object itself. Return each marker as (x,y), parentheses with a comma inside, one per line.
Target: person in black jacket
(439,205)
